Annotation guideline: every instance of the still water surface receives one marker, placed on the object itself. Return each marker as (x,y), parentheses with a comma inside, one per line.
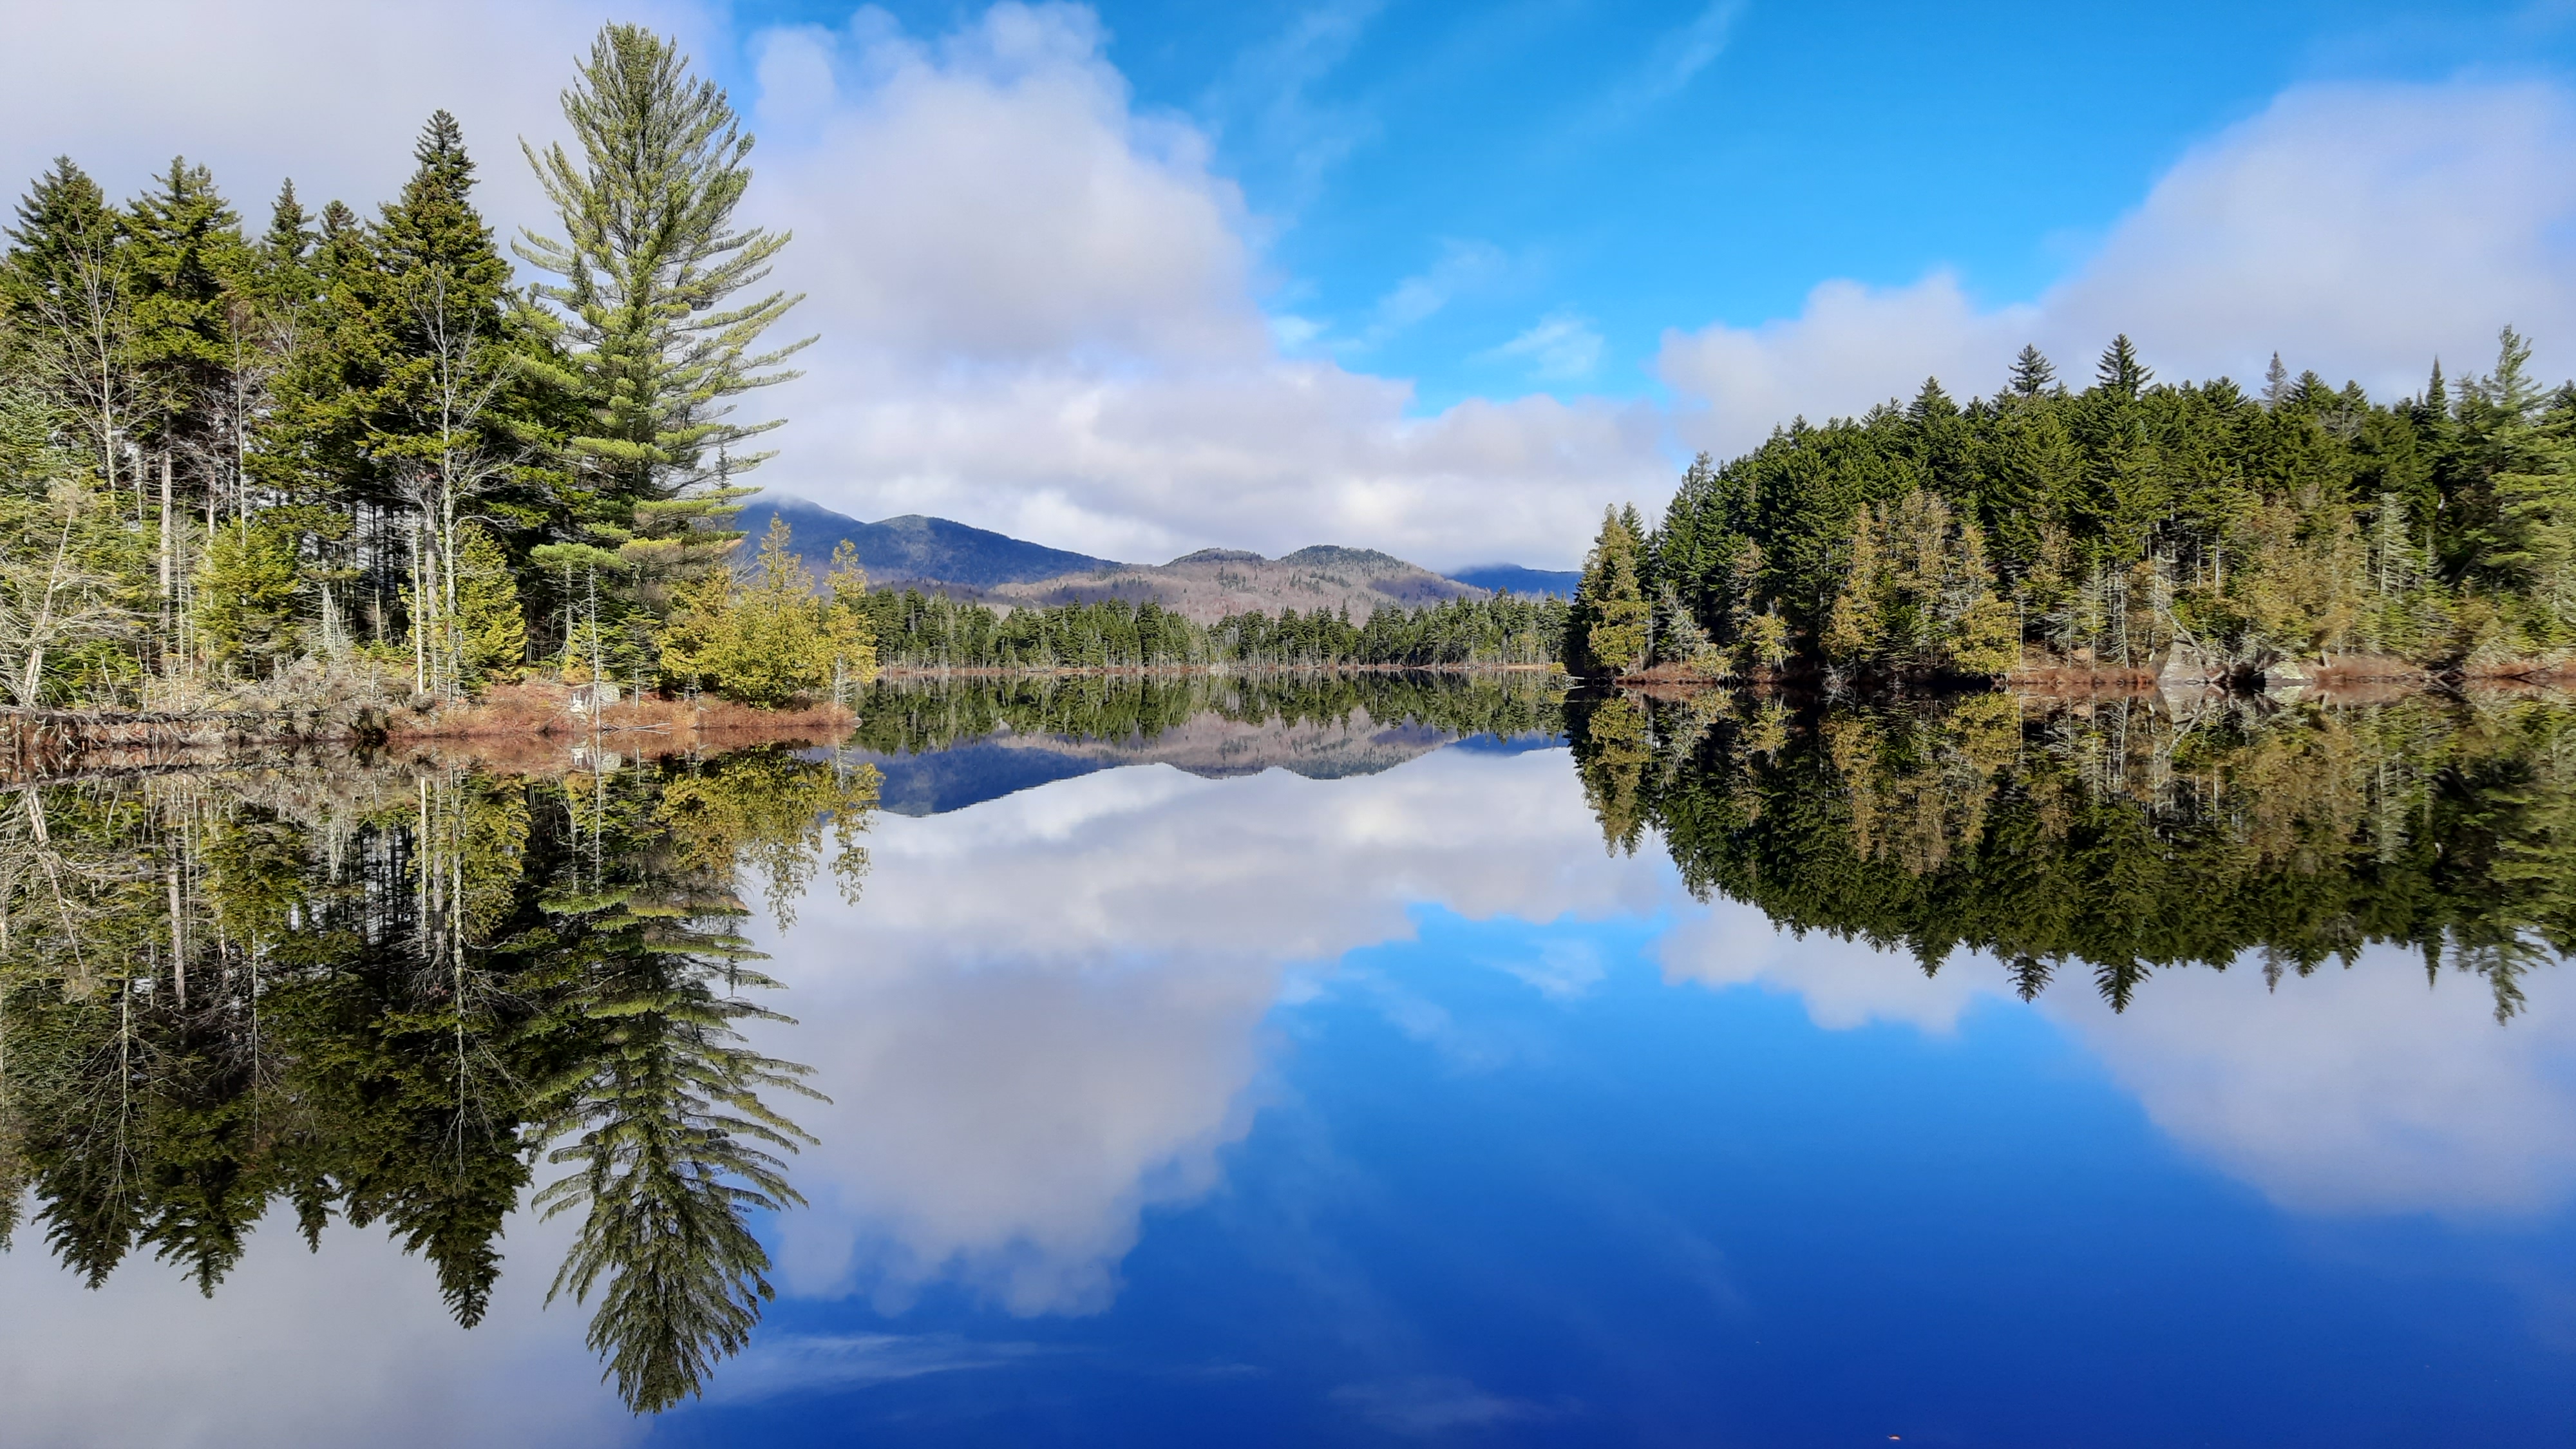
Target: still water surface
(1428,1061)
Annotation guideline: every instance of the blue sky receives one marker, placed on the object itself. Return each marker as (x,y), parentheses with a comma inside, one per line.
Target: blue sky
(1140,278)
(1629,167)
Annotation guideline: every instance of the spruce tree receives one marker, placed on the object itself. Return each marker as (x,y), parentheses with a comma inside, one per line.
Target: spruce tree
(63,221)
(2120,373)
(187,256)
(1608,628)
(68,298)
(2032,373)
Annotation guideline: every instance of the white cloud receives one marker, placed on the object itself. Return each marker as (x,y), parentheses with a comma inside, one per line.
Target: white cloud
(2359,1090)
(1268,97)
(1021,1067)
(2357,229)
(1463,268)
(1039,311)
(1433,1407)
(990,198)
(1678,57)
(331,94)
(1560,347)
(347,1344)
(2354,1090)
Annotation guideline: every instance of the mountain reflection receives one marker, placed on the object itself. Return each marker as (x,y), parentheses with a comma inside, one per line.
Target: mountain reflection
(394,993)
(2125,835)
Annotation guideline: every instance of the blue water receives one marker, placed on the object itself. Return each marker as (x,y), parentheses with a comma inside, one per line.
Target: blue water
(1660,1215)
(1392,1108)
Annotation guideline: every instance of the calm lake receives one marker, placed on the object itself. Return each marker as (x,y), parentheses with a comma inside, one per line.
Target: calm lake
(1364,1060)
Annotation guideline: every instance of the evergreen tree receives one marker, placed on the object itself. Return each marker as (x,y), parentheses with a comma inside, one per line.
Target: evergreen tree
(69,302)
(1930,404)
(187,256)
(1608,630)
(647,265)
(2121,374)
(2127,517)
(765,641)
(248,585)
(281,260)
(2032,374)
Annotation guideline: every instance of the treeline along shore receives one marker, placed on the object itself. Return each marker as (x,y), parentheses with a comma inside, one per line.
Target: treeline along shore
(343,474)
(342,477)
(2194,531)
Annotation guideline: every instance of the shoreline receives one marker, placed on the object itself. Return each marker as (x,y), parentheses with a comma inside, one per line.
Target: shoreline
(43,745)
(1182,671)
(2353,674)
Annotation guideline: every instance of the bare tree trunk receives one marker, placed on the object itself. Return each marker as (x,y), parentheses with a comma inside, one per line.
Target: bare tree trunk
(165,541)
(419,598)
(178,951)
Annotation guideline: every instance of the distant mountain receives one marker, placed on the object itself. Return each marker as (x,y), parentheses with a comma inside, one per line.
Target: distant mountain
(977,563)
(1513,579)
(916,550)
(1214,582)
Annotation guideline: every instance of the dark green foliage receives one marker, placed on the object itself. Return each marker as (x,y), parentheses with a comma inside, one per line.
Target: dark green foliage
(2138,521)
(2113,837)
(64,227)
(933,631)
(911,717)
(654,347)
(379,382)
(389,999)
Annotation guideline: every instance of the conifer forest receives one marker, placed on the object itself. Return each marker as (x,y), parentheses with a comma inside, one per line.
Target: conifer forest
(343,451)
(2188,529)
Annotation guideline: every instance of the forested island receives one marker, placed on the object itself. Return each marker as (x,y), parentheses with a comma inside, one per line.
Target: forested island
(2193,530)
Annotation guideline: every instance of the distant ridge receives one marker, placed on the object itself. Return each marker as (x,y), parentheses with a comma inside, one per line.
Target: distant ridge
(1513,579)
(1208,585)
(935,554)
(913,549)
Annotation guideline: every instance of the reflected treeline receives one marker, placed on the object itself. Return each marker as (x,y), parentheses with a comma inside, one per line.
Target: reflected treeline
(407,995)
(2121,835)
(917,714)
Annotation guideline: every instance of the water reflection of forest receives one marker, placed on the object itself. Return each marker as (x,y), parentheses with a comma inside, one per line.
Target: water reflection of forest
(913,715)
(2124,835)
(409,994)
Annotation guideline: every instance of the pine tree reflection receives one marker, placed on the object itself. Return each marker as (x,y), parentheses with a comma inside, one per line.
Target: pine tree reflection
(389,993)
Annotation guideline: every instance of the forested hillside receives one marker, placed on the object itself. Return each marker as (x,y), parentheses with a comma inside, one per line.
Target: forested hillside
(2127,524)
(1219,583)
(913,549)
